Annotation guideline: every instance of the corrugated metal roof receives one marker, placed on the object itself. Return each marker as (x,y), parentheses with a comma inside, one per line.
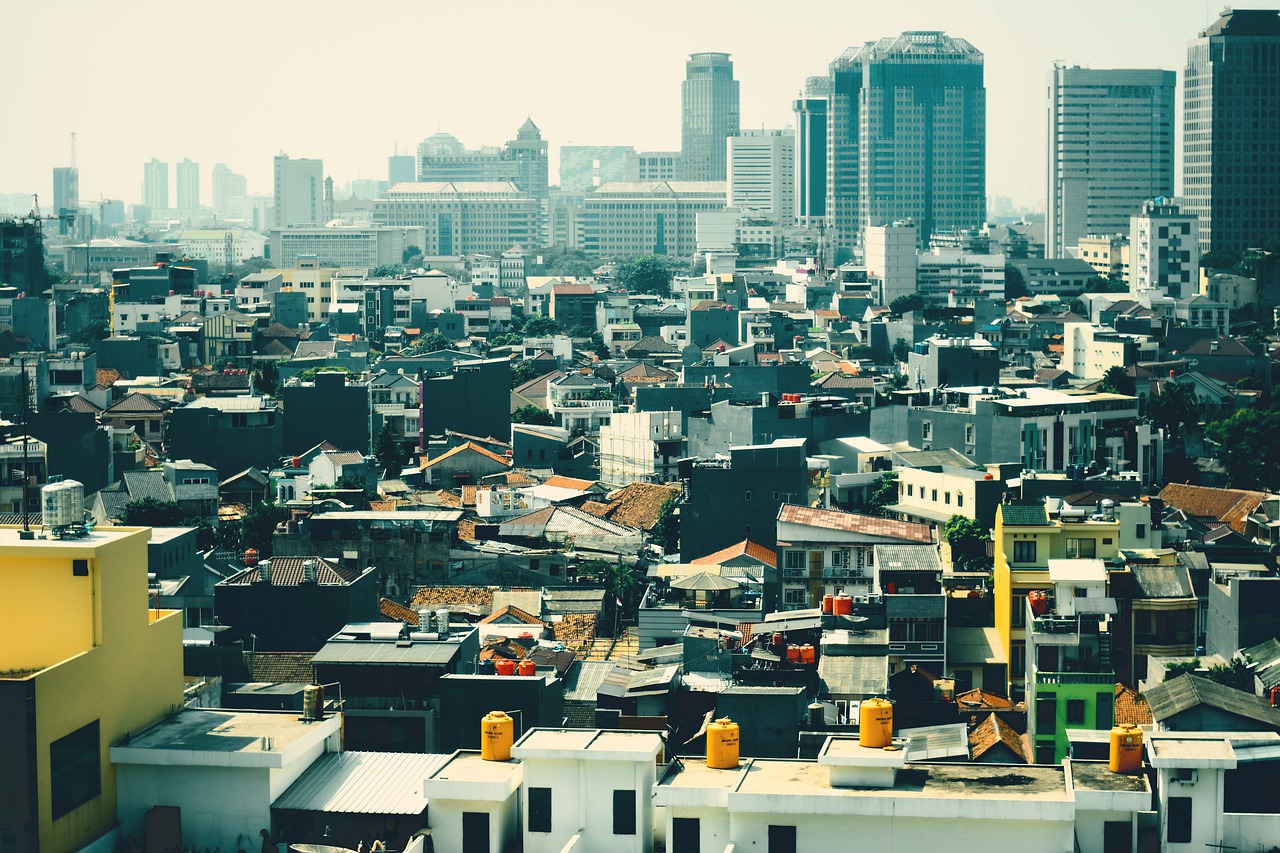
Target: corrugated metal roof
(379,783)
(908,558)
(850,676)
(370,651)
(585,679)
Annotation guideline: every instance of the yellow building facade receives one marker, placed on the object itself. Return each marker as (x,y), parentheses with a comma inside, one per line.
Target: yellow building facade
(84,662)
(1025,540)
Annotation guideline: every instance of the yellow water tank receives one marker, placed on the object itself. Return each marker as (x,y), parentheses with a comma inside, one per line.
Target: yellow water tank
(1126,749)
(497,733)
(875,723)
(722,744)
(313,702)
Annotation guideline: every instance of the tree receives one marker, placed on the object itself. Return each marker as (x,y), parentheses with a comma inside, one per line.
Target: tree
(533,415)
(408,254)
(666,530)
(258,525)
(883,493)
(968,543)
(645,274)
(150,512)
(1174,407)
(1247,446)
(906,303)
(388,451)
(526,371)
(1105,285)
(267,379)
(620,583)
(1015,286)
(1117,381)
(511,339)
(538,326)
(93,331)
(900,350)
(433,342)
(250,266)
(597,345)
(386,271)
(310,373)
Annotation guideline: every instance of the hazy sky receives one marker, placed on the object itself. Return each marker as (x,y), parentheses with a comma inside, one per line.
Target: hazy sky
(236,82)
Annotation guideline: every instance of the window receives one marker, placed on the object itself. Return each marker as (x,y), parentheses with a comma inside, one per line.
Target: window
(1018,613)
(1075,711)
(959,498)
(75,769)
(782,839)
(624,812)
(1107,540)
(746,495)
(1045,754)
(1179,831)
(1140,531)
(911,490)
(539,809)
(1024,551)
(926,430)
(1046,713)
(970,434)
(840,558)
(686,835)
(1082,548)
(795,596)
(933,495)
(793,559)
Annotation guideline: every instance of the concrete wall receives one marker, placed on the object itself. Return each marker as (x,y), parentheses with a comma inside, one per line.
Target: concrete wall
(582,803)
(888,834)
(222,807)
(446,821)
(1250,833)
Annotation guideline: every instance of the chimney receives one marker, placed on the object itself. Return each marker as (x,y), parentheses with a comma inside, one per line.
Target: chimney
(264,571)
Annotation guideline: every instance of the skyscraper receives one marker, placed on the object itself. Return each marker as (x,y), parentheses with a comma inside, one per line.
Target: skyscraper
(401,169)
(1110,150)
(1230,164)
(155,185)
(226,186)
(188,175)
(66,194)
(761,173)
(709,116)
(299,192)
(810,191)
(906,136)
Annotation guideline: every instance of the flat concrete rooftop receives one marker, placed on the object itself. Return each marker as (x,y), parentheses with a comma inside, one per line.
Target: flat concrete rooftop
(1096,776)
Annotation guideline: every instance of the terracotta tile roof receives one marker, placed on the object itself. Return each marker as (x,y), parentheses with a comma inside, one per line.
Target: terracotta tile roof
(1205,502)
(978,699)
(854,523)
(467,529)
(520,478)
(1131,707)
(650,344)
(840,380)
(135,403)
(502,647)
(745,547)
(287,571)
(768,357)
(569,483)
(636,505)
(280,667)
(444,497)
(575,629)
(572,290)
(383,506)
(395,612)
(107,376)
(514,612)
(468,496)
(445,596)
(79,403)
(461,448)
(992,731)
(538,387)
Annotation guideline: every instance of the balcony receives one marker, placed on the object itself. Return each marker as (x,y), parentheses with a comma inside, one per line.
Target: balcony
(1044,678)
(590,405)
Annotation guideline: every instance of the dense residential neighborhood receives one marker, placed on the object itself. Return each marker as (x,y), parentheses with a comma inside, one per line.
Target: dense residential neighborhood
(776,490)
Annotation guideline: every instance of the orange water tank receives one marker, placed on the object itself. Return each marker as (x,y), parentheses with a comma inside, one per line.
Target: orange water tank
(828,603)
(526,667)
(875,723)
(843,605)
(806,654)
(778,639)
(793,654)
(505,666)
(1126,749)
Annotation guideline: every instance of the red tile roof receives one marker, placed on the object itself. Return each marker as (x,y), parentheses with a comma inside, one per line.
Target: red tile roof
(572,290)
(395,612)
(516,613)
(854,523)
(1131,707)
(992,731)
(470,445)
(978,699)
(637,505)
(745,547)
(1226,505)
(569,483)
(287,571)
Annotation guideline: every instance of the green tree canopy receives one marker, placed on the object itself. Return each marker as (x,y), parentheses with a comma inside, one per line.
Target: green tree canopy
(1105,285)
(968,543)
(526,371)
(433,342)
(93,331)
(1247,446)
(883,493)
(1117,381)
(907,303)
(150,512)
(386,271)
(900,350)
(533,415)
(388,451)
(538,326)
(645,274)
(1015,286)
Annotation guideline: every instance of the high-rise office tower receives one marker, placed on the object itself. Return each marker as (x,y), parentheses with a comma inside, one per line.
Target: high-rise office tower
(1230,164)
(66,195)
(810,191)
(1110,150)
(761,172)
(906,136)
(155,185)
(401,169)
(226,186)
(188,177)
(709,116)
(585,167)
(299,192)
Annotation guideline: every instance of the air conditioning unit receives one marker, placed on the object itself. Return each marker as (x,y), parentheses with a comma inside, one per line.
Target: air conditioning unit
(874,598)
(860,599)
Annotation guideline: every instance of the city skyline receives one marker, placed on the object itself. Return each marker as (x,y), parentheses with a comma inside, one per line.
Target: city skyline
(625,108)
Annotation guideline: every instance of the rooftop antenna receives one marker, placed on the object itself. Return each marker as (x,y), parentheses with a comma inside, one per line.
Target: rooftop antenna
(26,442)
(73,149)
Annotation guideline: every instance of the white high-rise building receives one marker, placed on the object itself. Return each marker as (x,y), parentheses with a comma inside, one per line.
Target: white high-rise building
(188,174)
(226,186)
(762,173)
(891,260)
(1164,250)
(1110,149)
(155,185)
(299,192)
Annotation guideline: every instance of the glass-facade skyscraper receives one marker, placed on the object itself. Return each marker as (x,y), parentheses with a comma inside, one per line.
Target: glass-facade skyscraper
(708,116)
(1110,150)
(1231,107)
(906,136)
(811,152)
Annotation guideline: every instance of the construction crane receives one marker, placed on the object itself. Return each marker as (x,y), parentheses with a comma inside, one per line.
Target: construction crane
(36,216)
